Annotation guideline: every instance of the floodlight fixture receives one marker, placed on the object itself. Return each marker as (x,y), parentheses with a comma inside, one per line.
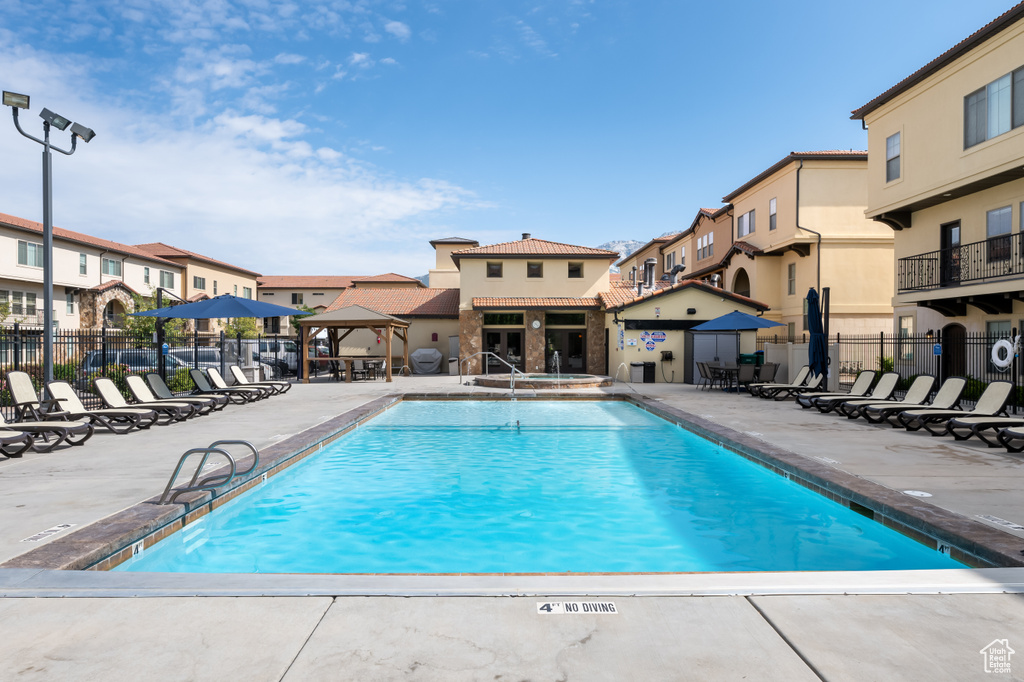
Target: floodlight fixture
(81,131)
(56,120)
(13,99)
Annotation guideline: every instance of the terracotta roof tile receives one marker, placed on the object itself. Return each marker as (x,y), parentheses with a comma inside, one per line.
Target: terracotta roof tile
(542,302)
(685,284)
(622,292)
(402,302)
(387,277)
(305,281)
(167,251)
(78,237)
(112,284)
(534,247)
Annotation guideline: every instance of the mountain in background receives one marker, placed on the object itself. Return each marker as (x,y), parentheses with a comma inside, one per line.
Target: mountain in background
(623,246)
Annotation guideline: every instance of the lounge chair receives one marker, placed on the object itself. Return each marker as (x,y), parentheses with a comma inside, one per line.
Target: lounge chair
(991,403)
(169,412)
(946,398)
(33,419)
(801,376)
(117,420)
(882,391)
(784,392)
(235,395)
(1012,438)
(162,392)
(915,397)
(860,388)
(278,387)
(214,375)
(13,444)
(985,428)
(144,396)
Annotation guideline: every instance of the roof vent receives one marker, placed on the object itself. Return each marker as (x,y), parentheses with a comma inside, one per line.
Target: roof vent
(526,235)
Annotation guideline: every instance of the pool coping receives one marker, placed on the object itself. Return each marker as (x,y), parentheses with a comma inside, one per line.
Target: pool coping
(112,540)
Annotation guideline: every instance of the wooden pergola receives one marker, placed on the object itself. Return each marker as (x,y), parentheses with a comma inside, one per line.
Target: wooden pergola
(340,323)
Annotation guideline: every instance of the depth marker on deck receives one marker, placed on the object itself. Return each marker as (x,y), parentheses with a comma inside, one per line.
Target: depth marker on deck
(1001,522)
(49,532)
(576,607)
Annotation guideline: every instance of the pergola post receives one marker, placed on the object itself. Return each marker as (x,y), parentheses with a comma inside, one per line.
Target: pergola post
(389,330)
(305,352)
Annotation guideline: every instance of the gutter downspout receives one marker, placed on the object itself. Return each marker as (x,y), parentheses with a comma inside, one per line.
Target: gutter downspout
(801,227)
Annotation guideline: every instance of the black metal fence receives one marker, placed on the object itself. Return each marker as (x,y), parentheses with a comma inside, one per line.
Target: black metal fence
(969,355)
(80,355)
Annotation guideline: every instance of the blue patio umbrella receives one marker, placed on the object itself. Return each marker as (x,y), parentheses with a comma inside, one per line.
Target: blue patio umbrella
(735,321)
(817,352)
(224,306)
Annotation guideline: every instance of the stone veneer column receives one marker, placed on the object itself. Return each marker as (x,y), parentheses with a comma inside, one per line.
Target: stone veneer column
(595,342)
(471,339)
(534,342)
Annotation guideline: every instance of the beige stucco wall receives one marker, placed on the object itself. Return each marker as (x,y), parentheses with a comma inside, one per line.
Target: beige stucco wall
(444,274)
(722,227)
(514,282)
(421,331)
(672,307)
(225,278)
(930,120)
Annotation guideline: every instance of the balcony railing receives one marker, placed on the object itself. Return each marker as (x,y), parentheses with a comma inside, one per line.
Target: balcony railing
(991,259)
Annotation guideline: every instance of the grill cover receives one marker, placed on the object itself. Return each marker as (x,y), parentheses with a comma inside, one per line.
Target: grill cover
(425,361)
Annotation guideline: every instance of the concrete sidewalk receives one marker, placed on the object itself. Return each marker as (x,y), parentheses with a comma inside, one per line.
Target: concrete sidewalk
(771,636)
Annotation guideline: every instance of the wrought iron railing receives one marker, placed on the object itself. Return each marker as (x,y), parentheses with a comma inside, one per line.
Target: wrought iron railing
(993,258)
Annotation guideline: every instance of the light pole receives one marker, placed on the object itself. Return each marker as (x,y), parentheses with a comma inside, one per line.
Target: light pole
(16,102)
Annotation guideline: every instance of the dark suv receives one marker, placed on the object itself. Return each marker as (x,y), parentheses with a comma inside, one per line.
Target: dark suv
(137,360)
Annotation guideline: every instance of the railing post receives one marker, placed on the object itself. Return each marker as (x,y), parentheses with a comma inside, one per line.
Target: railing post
(103,348)
(17,346)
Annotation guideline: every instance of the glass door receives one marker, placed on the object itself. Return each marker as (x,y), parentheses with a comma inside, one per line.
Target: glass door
(570,344)
(950,258)
(507,344)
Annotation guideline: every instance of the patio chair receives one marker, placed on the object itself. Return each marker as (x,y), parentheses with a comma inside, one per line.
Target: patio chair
(278,387)
(116,420)
(159,388)
(946,398)
(359,370)
(220,384)
(705,375)
(786,392)
(169,412)
(883,390)
(235,395)
(745,375)
(801,376)
(992,402)
(144,396)
(1012,438)
(766,372)
(860,387)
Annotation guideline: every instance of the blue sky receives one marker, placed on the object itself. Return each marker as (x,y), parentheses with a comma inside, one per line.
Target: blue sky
(340,137)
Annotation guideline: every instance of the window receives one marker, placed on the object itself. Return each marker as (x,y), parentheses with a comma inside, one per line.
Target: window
(145,275)
(994,109)
(30,254)
(711,240)
(5,299)
(670,261)
(296,299)
(791,277)
(17,304)
(112,267)
(906,330)
(494,269)
(504,319)
(892,157)
(83,264)
(772,224)
(246,292)
(214,287)
(997,224)
(575,270)
(318,293)
(682,256)
(998,329)
(745,224)
(534,269)
(565,319)
(198,282)
(69,299)
(166,279)
(30,304)
(236,290)
(791,330)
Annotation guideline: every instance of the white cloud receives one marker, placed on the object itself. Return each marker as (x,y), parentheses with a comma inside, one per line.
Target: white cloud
(398,29)
(388,60)
(286,58)
(361,60)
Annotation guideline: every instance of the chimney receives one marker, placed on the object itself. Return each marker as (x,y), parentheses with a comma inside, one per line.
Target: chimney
(526,235)
(675,273)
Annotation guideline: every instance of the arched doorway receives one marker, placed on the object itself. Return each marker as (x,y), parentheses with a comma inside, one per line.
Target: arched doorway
(113,314)
(741,283)
(954,350)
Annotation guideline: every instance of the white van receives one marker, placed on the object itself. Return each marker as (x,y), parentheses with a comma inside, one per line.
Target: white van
(283,354)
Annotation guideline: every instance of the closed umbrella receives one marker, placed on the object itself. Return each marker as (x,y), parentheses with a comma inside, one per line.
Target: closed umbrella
(817,352)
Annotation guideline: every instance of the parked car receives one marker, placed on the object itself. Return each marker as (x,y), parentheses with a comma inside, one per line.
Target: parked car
(204,357)
(282,354)
(136,360)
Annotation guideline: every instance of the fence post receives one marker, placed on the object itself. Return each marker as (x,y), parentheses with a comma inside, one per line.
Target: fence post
(17,346)
(881,351)
(223,349)
(1013,371)
(103,348)
(195,347)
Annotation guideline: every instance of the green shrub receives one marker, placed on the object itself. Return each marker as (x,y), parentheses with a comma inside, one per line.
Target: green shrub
(885,364)
(180,381)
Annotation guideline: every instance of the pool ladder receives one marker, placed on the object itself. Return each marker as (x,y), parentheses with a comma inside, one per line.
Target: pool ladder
(210,482)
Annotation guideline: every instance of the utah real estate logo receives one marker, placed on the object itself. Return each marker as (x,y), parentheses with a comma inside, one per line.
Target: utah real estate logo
(997,656)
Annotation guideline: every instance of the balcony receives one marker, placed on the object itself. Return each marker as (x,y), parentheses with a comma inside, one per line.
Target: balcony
(946,271)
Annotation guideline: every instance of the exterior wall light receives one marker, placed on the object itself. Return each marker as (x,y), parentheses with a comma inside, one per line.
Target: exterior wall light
(13,99)
(56,120)
(85,133)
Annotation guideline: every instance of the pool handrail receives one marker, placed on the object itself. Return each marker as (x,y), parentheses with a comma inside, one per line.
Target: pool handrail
(214,481)
(512,374)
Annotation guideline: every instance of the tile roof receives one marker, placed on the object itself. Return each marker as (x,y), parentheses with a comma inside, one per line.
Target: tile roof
(488,302)
(402,302)
(837,154)
(305,281)
(453,240)
(994,27)
(167,251)
(198,297)
(533,247)
(622,292)
(78,237)
(686,284)
(112,284)
(387,277)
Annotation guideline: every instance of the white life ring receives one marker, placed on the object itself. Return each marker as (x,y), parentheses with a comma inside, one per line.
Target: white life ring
(1002,348)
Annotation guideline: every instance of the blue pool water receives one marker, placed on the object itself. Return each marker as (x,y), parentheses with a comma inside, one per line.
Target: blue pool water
(496,487)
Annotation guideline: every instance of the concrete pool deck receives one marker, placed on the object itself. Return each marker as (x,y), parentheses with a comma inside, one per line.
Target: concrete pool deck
(782,627)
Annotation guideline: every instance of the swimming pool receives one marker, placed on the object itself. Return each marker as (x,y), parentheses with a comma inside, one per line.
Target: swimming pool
(529,487)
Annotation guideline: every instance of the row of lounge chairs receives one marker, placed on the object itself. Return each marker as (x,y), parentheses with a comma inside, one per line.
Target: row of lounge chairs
(43,424)
(938,414)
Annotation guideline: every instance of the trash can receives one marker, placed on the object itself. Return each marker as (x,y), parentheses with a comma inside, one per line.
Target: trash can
(760,357)
(749,359)
(453,367)
(648,372)
(636,372)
